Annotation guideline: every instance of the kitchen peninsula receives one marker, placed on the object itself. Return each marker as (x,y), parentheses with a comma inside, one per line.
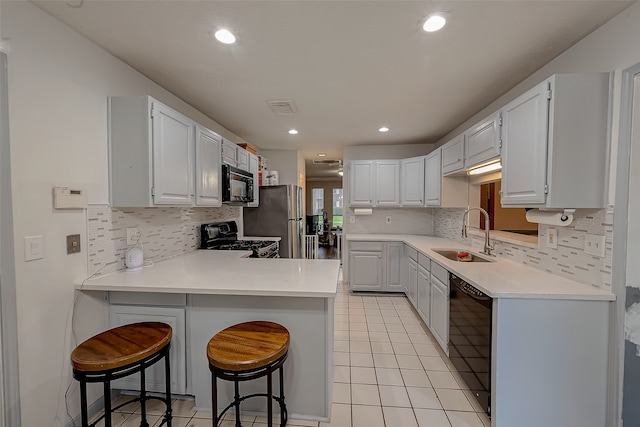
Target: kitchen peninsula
(206,291)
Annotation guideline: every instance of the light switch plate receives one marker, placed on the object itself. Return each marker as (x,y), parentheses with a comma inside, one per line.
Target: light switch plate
(33,248)
(551,236)
(594,245)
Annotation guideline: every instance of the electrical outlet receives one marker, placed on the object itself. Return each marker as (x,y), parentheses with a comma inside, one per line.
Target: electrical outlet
(133,235)
(388,219)
(594,245)
(552,238)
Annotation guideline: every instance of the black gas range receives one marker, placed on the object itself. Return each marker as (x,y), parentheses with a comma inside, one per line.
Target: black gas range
(224,236)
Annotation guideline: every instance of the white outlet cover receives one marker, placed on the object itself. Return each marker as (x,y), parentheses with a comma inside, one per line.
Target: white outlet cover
(551,238)
(594,245)
(132,235)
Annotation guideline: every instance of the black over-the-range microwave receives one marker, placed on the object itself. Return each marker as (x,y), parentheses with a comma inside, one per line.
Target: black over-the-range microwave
(237,185)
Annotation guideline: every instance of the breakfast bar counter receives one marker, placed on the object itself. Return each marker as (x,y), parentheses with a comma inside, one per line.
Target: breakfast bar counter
(203,292)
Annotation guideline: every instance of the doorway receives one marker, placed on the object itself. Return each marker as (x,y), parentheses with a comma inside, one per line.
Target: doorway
(628,242)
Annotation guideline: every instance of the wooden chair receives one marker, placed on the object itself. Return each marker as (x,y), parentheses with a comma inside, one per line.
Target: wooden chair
(244,352)
(120,352)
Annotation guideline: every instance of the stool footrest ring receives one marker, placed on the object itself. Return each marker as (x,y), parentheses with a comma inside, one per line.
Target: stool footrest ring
(283,406)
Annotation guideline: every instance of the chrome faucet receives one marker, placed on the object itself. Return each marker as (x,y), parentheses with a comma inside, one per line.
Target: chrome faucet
(487,245)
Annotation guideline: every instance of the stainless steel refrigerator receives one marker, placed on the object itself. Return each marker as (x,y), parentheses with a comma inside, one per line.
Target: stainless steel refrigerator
(278,215)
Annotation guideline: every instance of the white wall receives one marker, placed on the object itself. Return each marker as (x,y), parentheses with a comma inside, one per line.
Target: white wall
(286,162)
(58,86)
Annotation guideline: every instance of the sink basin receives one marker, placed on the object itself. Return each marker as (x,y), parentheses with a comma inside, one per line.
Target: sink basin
(452,254)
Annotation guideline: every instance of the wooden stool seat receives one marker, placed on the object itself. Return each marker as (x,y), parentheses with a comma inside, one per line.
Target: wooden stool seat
(121,346)
(248,345)
(120,352)
(244,352)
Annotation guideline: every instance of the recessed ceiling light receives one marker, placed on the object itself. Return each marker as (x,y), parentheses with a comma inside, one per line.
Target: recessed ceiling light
(293,132)
(383,129)
(322,154)
(225,36)
(435,22)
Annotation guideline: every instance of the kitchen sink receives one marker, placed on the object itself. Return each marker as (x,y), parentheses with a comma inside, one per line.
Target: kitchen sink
(452,254)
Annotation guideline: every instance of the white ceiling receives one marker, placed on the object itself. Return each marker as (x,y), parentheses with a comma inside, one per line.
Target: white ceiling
(349,66)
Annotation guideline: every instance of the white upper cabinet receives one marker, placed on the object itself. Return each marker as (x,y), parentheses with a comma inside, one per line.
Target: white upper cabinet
(242,159)
(208,171)
(387,188)
(229,153)
(361,180)
(554,143)
(253,168)
(443,191)
(151,154)
(374,183)
(412,181)
(453,155)
(482,141)
(433,178)
(172,156)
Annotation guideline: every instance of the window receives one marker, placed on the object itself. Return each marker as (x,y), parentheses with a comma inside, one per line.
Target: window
(504,219)
(317,194)
(337,207)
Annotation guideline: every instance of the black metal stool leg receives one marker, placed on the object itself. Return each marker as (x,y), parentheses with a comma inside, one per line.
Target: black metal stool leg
(269,401)
(214,399)
(143,400)
(237,403)
(83,403)
(107,402)
(167,376)
(283,406)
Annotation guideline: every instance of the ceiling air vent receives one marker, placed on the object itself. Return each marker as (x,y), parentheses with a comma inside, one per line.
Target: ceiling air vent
(283,107)
(328,162)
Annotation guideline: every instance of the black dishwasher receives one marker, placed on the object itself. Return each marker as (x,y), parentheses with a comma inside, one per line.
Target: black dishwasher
(470,338)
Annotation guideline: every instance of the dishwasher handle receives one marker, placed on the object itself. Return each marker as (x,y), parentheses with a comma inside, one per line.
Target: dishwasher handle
(468,289)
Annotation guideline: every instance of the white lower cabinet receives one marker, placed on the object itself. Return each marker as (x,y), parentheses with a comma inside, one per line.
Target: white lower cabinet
(155,379)
(366,266)
(393,252)
(424,294)
(412,284)
(375,266)
(439,320)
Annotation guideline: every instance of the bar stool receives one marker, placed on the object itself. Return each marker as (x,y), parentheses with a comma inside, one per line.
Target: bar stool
(244,352)
(117,353)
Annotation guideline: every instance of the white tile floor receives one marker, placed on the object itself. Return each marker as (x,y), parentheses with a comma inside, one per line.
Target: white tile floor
(389,372)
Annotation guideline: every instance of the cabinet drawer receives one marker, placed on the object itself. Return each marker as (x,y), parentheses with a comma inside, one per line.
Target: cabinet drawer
(424,261)
(411,253)
(365,246)
(440,272)
(148,298)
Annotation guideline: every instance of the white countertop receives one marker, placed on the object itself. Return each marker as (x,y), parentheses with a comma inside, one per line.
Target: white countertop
(226,273)
(500,279)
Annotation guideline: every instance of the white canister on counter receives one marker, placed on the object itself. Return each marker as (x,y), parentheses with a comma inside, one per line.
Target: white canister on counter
(270,177)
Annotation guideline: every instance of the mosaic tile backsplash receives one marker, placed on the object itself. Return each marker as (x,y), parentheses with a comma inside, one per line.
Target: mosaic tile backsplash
(568,260)
(165,232)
